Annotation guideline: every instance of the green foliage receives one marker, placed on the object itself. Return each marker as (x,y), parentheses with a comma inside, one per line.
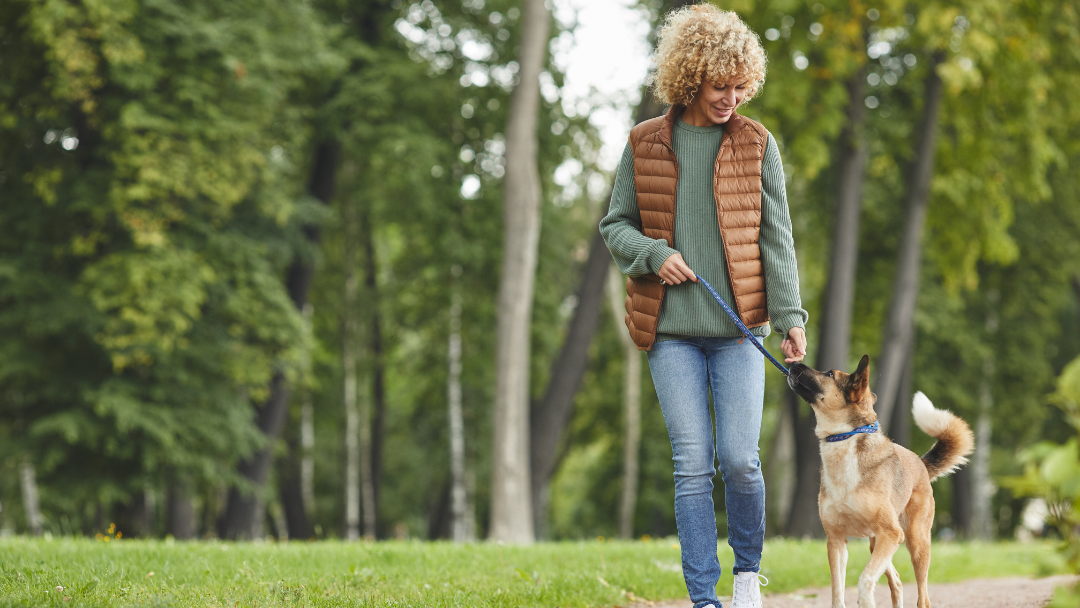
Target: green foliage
(1052,472)
(148,149)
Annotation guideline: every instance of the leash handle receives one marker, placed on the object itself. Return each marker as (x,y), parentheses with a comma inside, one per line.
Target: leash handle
(742,326)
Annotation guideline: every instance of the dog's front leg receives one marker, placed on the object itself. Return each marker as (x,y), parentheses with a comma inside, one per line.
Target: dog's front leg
(895,586)
(886,542)
(838,567)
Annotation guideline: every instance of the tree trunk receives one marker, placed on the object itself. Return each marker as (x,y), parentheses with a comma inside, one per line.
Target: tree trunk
(982,484)
(835,323)
(803,520)
(179,509)
(835,333)
(961,507)
(243,515)
(239,519)
(511,504)
(900,426)
(277,520)
(552,414)
(307,462)
(28,481)
(440,516)
(906,286)
(148,515)
(631,407)
(290,487)
(349,357)
(378,390)
(367,486)
(780,473)
(460,527)
(296,467)
(307,430)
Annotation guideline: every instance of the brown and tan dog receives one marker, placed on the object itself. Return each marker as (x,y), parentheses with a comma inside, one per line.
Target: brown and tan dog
(871,487)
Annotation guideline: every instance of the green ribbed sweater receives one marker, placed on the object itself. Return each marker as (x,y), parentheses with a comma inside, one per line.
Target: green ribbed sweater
(689,309)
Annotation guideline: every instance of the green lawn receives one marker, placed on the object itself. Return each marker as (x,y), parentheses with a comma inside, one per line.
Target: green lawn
(588,573)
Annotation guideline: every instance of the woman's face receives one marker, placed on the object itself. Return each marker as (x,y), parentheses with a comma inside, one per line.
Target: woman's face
(716,102)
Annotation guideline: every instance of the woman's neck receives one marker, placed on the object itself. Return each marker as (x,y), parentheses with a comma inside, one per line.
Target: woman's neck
(693,115)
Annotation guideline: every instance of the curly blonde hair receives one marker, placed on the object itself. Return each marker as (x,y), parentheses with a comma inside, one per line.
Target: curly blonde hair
(703,42)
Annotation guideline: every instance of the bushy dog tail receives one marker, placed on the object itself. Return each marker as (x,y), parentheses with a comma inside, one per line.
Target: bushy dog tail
(954,437)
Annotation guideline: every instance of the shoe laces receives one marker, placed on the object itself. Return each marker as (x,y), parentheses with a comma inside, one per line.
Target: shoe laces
(746,592)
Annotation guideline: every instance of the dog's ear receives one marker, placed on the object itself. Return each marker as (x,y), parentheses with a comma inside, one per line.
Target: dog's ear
(859,382)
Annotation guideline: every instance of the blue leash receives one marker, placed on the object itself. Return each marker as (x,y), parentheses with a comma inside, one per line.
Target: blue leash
(742,326)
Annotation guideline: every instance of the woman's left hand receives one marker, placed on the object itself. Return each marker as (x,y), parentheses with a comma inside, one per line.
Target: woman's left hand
(794,345)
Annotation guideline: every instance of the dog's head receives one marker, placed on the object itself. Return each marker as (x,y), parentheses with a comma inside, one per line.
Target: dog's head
(839,400)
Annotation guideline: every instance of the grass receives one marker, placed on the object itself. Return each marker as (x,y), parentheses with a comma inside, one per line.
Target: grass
(329,573)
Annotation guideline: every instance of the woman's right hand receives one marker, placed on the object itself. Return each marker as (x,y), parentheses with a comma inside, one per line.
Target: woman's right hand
(674,270)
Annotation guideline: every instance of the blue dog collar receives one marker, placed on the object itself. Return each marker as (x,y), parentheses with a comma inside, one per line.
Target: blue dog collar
(870,428)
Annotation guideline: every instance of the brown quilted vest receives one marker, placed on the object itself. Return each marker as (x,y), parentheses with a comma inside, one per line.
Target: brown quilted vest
(737,186)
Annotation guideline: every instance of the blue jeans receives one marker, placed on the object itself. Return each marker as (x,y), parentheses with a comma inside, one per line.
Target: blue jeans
(683,372)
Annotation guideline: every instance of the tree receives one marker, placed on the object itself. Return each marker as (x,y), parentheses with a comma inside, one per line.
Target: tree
(511,512)
(551,414)
(155,200)
(631,406)
(242,511)
(900,329)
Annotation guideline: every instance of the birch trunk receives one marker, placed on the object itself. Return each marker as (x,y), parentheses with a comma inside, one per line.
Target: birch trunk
(367,485)
(307,427)
(348,364)
(982,484)
(460,527)
(511,504)
(900,329)
(28,481)
(631,406)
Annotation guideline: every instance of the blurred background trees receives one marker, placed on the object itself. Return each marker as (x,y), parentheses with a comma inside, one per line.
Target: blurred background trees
(250,257)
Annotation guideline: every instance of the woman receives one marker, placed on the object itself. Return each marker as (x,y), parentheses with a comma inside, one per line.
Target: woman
(701,191)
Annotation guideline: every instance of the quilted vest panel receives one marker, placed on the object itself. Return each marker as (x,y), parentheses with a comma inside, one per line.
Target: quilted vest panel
(737,188)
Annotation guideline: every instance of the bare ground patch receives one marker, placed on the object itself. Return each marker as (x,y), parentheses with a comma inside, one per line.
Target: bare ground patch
(984,593)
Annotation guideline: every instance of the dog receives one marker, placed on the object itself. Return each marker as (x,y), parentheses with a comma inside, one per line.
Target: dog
(871,487)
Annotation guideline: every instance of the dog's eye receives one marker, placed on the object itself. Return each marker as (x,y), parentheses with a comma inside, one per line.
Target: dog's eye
(830,374)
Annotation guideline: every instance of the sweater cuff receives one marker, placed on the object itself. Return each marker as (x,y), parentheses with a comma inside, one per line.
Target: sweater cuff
(658,254)
(786,322)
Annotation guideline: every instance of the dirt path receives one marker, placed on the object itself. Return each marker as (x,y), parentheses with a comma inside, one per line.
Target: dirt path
(987,593)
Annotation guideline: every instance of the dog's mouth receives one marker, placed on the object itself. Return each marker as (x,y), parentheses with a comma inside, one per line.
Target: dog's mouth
(801,380)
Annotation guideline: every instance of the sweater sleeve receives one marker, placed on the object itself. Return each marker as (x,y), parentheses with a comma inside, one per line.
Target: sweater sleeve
(635,254)
(778,247)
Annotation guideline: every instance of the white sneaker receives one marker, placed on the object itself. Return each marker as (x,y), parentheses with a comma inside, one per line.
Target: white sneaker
(746,593)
